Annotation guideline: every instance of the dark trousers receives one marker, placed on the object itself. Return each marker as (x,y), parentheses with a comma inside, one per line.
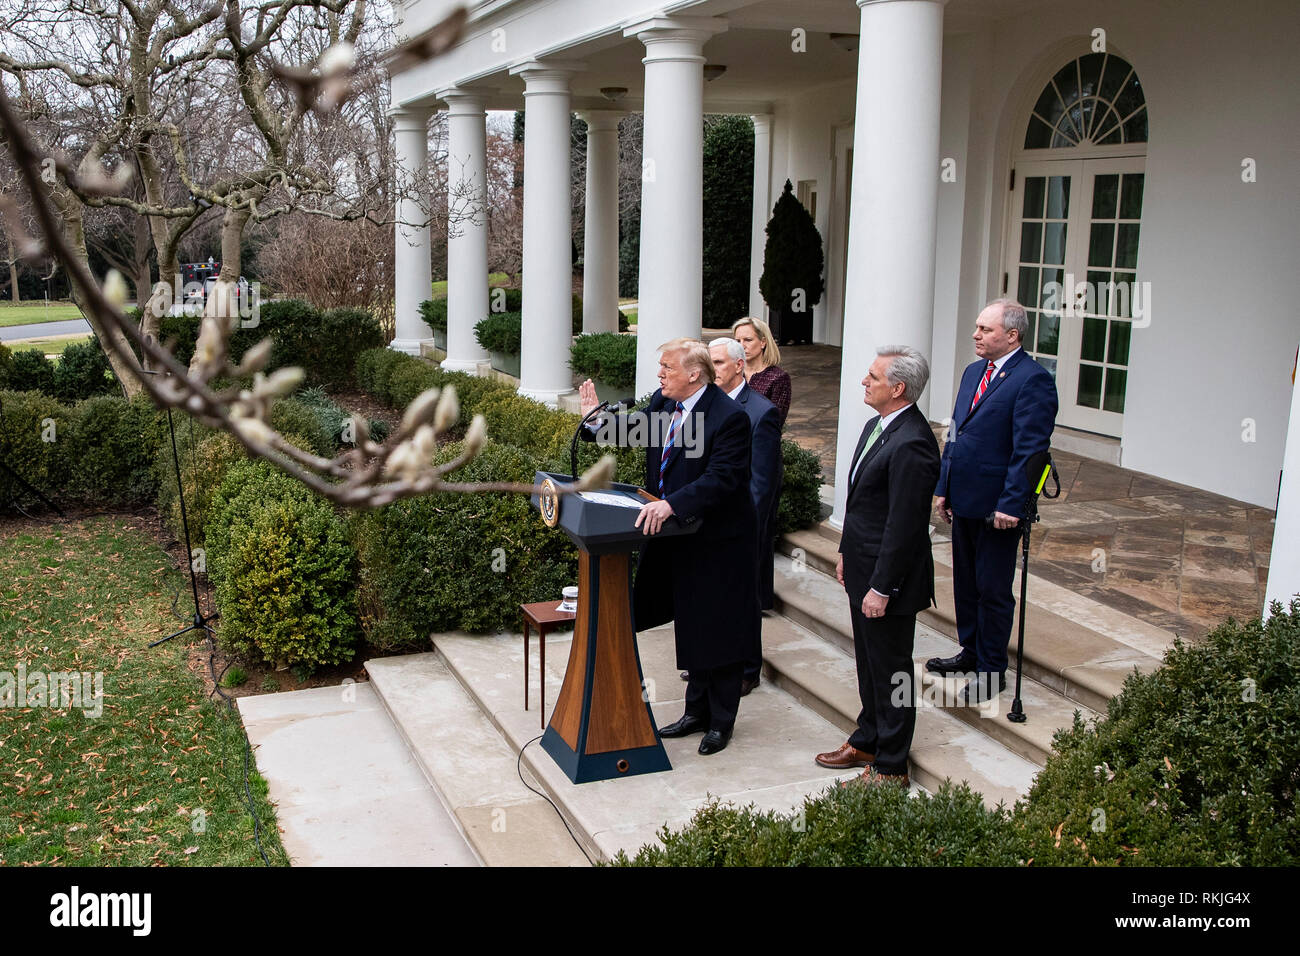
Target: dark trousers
(983,564)
(714,695)
(886,685)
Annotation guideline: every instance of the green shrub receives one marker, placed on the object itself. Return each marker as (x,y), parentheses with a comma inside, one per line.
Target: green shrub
(434,313)
(606,356)
(800,505)
(31,372)
(204,460)
(6,366)
(114,443)
(324,344)
(845,826)
(523,423)
(409,379)
(448,562)
(501,332)
(36,441)
(292,417)
(83,371)
(373,368)
(334,419)
(1196,764)
(284,572)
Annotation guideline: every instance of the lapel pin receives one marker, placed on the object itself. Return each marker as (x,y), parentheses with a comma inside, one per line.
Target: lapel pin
(1002,375)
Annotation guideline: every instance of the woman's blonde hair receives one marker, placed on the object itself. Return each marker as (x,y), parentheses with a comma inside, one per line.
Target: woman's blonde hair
(770,351)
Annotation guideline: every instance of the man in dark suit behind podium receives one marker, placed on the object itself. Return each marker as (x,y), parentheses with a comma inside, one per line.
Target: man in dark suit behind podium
(704,582)
(1005,413)
(885,562)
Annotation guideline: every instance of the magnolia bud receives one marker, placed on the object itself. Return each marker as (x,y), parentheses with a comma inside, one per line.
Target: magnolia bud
(420,410)
(339,58)
(448,410)
(285,381)
(255,359)
(476,435)
(115,289)
(598,475)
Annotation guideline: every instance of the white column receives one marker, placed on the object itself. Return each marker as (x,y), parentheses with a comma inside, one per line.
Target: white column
(600,235)
(1284,562)
(672,185)
(412,272)
(467,228)
(762,210)
(548,268)
(889,299)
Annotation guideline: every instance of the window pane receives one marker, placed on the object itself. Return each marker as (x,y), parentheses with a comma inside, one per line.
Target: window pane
(1130,204)
(1116,135)
(1117,354)
(1116,381)
(1135,130)
(1031,242)
(1100,288)
(1034,188)
(1090,72)
(1125,291)
(1049,105)
(1049,364)
(1039,134)
(1126,248)
(1112,80)
(1064,137)
(1027,288)
(1049,328)
(1094,342)
(1058,197)
(1054,244)
(1051,297)
(1130,97)
(1067,81)
(1089,393)
(1033,324)
(1101,243)
(1089,109)
(1105,191)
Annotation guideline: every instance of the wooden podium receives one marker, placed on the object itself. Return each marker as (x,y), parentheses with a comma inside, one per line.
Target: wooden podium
(602,726)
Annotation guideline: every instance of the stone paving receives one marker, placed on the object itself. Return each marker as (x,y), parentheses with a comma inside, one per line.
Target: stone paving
(1173,556)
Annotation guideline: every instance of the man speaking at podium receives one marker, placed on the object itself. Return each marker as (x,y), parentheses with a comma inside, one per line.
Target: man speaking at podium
(697,462)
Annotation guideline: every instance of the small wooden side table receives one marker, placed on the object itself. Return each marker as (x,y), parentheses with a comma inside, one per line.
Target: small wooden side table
(543,616)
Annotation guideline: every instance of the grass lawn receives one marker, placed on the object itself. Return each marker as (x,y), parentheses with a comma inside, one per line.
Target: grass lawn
(29,313)
(157,779)
(494,278)
(51,345)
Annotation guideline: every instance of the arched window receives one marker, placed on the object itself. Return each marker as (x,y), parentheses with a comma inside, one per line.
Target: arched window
(1094,100)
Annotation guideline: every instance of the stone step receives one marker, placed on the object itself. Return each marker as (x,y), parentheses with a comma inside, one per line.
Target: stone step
(823,676)
(346,788)
(1073,645)
(768,763)
(468,764)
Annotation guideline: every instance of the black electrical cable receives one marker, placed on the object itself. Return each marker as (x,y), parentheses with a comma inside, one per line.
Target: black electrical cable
(520,770)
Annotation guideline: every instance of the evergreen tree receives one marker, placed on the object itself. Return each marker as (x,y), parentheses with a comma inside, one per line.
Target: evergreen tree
(791,283)
(728,215)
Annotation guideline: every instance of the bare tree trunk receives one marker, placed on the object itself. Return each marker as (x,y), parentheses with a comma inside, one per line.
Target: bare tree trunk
(75,231)
(13,268)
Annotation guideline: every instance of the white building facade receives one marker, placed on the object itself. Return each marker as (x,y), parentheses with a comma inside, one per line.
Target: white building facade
(1126,168)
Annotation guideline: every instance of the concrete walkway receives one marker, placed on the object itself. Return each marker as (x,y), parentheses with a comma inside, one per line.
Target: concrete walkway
(41,330)
(1174,556)
(346,789)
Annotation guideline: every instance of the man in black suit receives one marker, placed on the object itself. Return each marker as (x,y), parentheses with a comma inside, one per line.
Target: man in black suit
(765,473)
(697,462)
(885,562)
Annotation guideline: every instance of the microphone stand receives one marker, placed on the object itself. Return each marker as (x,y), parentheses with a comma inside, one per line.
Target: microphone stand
(200,621)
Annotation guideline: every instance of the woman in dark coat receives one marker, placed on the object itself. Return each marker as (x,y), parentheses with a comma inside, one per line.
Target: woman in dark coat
(763,372)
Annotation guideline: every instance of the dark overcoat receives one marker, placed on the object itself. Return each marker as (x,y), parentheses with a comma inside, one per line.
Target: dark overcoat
(766,472)
(704,582)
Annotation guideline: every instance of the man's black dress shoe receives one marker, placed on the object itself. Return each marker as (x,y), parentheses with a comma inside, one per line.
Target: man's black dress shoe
(981,688)
(683,726)
(748,685)
(950,665)
(714,741)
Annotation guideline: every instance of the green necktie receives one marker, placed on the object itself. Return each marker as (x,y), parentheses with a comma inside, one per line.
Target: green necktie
(875,433)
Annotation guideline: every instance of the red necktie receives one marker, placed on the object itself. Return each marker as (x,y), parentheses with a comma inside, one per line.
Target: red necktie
(984,383)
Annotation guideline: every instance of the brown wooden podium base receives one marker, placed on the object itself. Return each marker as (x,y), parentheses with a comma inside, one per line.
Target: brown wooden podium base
(602,726)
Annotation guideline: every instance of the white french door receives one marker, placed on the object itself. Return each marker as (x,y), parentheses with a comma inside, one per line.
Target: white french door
(1071,259)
